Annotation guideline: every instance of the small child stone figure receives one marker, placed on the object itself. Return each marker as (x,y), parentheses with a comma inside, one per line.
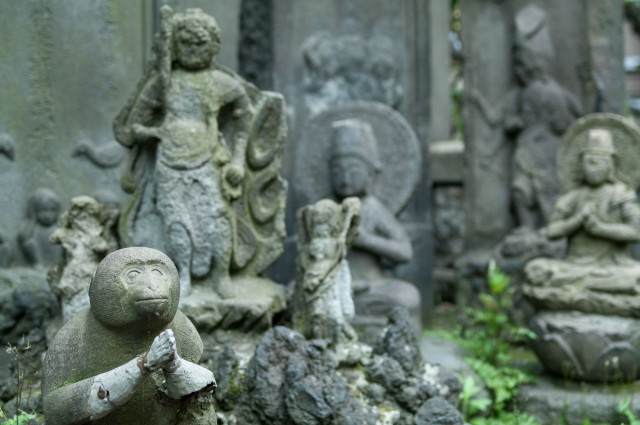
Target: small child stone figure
(107,364)
(322,300)
(42,215)
(85,233)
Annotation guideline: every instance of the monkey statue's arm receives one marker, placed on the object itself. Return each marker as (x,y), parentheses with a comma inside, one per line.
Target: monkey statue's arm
(183,378)
(98,396)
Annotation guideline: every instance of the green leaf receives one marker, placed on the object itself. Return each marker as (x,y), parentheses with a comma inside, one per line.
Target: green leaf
(496,280)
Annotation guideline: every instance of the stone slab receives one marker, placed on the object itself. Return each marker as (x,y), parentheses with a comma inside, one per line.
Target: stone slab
(253,309)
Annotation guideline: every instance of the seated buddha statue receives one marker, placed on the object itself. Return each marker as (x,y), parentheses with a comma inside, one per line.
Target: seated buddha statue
(600,217)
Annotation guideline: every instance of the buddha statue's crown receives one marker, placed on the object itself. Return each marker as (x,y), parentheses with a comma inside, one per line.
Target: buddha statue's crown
(532,32)
(599,141)
(354,137)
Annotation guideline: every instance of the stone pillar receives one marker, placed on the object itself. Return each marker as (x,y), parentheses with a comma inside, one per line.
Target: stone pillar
(606,47)
(486,40)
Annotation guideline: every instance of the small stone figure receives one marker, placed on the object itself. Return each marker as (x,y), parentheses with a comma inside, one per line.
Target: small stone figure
(42,215)
(94,370)
(86,234)
(597,281)
(205,151)
(323,303)
(354,164)
(341,157)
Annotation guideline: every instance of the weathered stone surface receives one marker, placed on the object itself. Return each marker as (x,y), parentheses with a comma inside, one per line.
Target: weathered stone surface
(398,366)
(367,150)
(228,378)
(260,301)
(227,15)
(42,214)
(599,215)
(449,357)
(553,400)
(417,67)
(63,75)
(488,33)
(438,411)
(322,300)
(27,303)
(87,235)
(291,380)
(588,347)
(207,189)
(447,161)
(398,341)
(93,370)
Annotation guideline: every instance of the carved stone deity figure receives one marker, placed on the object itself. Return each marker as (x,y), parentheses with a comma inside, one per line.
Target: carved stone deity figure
(345,146)
(205,148)
(323,299)
(86,234)
(600,217)
(42,214)
(536,114)
(345,68)
(94,371)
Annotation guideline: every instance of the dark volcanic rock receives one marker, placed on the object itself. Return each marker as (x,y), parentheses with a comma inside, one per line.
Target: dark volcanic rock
(437,411)
(293,381)
(399,341)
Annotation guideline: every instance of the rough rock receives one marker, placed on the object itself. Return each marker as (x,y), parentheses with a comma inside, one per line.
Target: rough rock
(293,381)
(438,411)
(26,302)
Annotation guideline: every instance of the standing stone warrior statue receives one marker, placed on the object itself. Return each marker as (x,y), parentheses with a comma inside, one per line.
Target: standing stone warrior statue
(342,157)
(205,153)
(322,299)
(131,358)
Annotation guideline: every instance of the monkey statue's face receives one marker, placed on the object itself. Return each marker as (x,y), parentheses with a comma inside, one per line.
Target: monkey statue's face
(135,287)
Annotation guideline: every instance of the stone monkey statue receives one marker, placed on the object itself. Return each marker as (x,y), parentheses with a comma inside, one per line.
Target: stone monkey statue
(107,364)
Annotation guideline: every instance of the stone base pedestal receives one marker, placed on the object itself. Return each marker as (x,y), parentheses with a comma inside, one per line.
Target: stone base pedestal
(588,347)
(253,308)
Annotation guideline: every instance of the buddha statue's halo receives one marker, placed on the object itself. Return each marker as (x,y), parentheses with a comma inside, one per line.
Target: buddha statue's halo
(606,133)
(398,152)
